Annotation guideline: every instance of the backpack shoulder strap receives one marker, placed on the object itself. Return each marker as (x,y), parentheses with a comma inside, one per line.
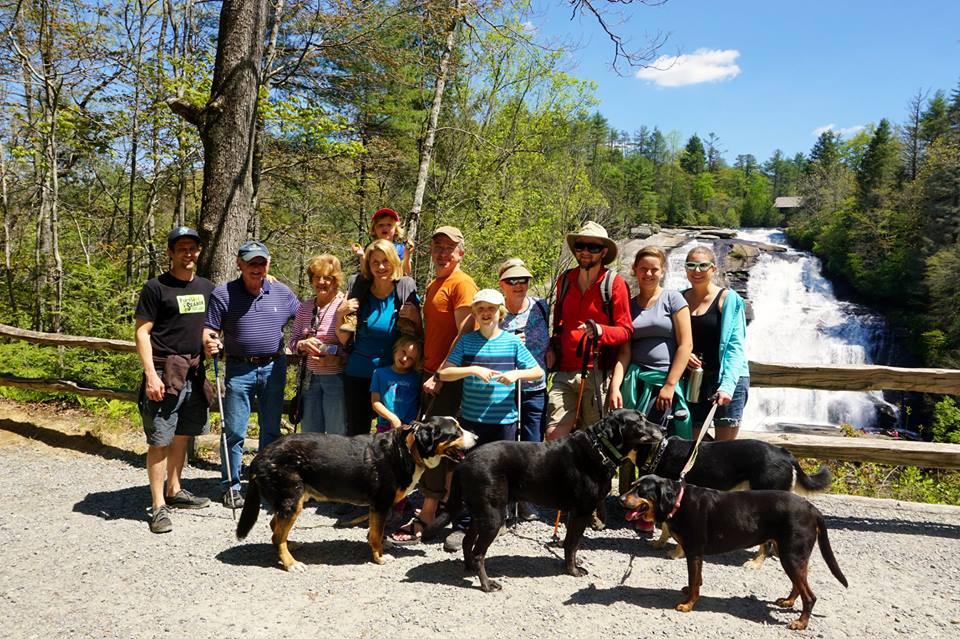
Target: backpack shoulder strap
(558,305)
(606,293)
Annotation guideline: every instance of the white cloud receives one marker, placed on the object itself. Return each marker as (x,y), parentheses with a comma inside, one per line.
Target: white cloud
(844,132)
(703,65)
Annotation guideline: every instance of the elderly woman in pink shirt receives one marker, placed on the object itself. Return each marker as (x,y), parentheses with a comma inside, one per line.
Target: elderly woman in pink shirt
(314,336)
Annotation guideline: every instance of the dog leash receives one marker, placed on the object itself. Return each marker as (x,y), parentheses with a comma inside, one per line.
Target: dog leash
(707,423)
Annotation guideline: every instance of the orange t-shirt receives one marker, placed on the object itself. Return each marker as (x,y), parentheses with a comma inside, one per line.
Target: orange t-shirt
(444,296)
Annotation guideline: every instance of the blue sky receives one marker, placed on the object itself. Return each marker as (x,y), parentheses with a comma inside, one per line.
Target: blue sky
(768,75)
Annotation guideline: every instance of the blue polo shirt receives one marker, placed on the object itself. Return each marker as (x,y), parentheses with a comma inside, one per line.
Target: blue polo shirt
(252,325)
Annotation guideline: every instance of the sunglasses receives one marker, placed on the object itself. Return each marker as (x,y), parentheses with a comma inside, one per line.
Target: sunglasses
(699,266)
(590,248)
(513,281)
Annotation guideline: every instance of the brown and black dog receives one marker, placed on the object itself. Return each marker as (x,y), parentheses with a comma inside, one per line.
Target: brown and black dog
(707,522)
(376,470)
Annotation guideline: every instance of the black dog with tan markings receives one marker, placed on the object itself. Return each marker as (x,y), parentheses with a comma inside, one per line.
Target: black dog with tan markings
(571,474)
(738,464)
(707,522)
(376,470)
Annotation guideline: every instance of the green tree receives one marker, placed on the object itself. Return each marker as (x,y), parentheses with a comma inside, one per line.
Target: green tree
(878,167)
(693,160)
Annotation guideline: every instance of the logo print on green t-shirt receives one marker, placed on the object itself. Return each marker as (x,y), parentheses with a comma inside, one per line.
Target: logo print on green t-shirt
(191,304)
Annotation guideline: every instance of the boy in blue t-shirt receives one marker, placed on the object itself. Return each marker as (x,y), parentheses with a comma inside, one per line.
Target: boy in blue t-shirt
(395,389)
(491,362)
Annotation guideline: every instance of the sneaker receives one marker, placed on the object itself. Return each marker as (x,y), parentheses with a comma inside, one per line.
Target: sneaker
(160,522)
(186,499)
(236,502)
(454,540)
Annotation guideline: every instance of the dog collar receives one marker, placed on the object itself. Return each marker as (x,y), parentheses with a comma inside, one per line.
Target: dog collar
(653,459)
(676,504)
(609,454)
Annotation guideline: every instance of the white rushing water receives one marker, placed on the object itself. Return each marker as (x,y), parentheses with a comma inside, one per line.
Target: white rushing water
(798,319)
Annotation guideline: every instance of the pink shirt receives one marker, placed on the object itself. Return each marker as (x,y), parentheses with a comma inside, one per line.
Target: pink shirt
(326,333)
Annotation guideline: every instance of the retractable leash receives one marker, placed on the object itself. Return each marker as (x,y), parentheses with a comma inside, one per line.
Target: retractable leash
(223,435)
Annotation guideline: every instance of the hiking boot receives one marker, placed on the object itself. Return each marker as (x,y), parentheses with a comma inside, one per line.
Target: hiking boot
(526,512)
(237,501)
(454,540)
(160,521)
(186,499)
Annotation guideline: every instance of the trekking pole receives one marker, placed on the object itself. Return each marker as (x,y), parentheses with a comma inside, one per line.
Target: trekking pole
(595,348)
(516,503)
(223,436)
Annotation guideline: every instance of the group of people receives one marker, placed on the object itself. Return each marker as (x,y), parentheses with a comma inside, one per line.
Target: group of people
(378,354)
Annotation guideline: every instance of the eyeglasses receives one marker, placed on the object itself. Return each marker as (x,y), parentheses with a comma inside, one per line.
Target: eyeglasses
(585,246)
(699,266)
(513,281)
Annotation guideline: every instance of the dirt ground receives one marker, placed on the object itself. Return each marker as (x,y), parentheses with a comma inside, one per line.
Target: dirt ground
(79,561)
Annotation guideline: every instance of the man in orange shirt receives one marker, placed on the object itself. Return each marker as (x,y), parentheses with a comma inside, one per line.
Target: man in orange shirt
(446,316)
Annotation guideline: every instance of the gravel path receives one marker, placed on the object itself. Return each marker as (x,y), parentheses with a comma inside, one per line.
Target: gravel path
(79,561)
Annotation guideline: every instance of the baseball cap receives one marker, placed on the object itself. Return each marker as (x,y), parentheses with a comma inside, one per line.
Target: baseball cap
(488,295)
(180,232)
(386,212)
(251,249)
(450,231)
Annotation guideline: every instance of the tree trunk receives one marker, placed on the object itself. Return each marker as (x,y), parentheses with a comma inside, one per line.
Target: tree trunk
(7,249)
(426,151)
(227,125)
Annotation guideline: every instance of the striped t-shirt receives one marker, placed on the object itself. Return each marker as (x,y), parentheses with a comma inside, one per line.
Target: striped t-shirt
(326,332)
(252,325)
(490,402)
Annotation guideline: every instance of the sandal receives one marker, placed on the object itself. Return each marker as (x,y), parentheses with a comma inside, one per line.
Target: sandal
(407,534)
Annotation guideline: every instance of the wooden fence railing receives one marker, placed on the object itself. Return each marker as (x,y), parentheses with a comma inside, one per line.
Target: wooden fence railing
(825,377)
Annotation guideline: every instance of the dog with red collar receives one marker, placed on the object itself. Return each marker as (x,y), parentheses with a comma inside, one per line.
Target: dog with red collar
(704,521)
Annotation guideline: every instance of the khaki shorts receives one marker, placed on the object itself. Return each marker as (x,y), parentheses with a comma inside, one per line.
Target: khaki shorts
(562,399)
(433,481)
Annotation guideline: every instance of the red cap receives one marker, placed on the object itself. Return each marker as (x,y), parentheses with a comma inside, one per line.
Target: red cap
(386,212)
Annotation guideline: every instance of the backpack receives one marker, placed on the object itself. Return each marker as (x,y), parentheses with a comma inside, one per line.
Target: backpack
(606,298)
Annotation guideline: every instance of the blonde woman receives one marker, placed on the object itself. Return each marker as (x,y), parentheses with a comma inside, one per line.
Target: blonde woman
(718,319)
(380,296)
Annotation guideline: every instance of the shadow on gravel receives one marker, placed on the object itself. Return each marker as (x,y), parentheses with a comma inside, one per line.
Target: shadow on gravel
(132,502)
(749,608)
(642,548)
(86,443)
(451,572)
(334,552)
(869,524)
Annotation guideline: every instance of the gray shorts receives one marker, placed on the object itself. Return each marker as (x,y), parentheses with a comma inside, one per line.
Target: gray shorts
(184,414)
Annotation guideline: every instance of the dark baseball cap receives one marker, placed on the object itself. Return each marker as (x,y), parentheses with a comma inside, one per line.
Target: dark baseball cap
(180,232)
(251,249)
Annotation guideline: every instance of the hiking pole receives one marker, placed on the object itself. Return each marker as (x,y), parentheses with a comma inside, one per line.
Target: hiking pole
(223,436)
(516,503)
(595,348)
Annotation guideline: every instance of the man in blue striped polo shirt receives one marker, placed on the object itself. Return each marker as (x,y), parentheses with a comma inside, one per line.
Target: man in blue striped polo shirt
(249,313)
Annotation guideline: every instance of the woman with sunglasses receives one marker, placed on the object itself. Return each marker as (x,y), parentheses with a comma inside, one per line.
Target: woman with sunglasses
(527,318)
(718,319)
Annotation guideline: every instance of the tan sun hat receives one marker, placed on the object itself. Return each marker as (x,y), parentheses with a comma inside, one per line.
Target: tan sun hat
(513,268)
(594,230)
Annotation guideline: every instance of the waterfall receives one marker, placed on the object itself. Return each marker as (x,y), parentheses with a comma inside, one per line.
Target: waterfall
(798,319)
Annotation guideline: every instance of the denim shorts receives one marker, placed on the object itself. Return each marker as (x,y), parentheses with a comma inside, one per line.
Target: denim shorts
(726,416)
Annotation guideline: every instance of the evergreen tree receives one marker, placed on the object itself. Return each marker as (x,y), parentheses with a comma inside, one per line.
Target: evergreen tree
(694,157)
(878,165)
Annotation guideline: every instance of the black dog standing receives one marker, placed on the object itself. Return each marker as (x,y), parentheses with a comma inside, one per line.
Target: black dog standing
(376,470)
(707,522)
(572,474)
